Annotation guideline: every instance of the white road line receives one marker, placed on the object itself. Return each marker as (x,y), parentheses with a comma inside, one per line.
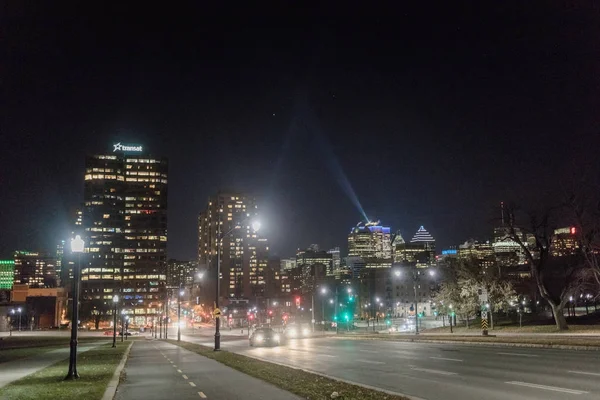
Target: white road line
(171,361)
(434,371)
(370,362)
(553,388)
(518,354)
(201,394)
(192,384)
(368,351)
(446,359)
(584,373)
(184,376)
(180,371)
(174,366)
(326,355)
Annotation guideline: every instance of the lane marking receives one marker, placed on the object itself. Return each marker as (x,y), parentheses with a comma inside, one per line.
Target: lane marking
(518,354)
(171,361)
(192,384)
(368,351)
(174,366)
(180,371)
(184,376)
(553,388)
(370,362)
(201,394)
(584,373)
(447,359)
(326,355)
(434,371)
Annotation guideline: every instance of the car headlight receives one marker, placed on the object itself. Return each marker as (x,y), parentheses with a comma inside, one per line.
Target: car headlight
(259,338)
(292,332)
(276,338)
(305,331)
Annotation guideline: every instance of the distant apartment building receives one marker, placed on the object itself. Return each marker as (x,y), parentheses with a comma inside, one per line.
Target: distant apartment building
(336,260)
(181,274)
(244,253)
(314,265)
(482,252)
(287,264)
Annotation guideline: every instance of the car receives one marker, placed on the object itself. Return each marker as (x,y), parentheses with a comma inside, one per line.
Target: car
(295,331)
(265,337)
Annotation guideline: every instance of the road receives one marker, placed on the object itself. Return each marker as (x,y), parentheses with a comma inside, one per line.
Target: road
(437,371)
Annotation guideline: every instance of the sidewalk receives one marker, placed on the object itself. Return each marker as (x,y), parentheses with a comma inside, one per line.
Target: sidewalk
(14,370)
(159,370)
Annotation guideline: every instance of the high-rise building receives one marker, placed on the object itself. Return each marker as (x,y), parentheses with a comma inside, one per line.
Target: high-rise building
(181,273)
(34,269)
(420,251)
(7,274)
(371,242)
(314,264)
(564,242)
(244,254)
(482,252)
(125,228)
(287,264)
(336,260)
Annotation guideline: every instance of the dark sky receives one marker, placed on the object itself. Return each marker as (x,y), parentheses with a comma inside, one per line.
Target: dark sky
(432,115)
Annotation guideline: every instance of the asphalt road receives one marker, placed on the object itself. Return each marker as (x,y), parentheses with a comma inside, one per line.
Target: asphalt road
(438,371)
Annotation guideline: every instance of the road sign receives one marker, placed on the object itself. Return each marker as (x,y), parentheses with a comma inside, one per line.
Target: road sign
(334,324)
(217,312)
(483,295)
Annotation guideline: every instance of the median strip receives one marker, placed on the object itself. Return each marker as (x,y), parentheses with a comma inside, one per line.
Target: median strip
(306,384)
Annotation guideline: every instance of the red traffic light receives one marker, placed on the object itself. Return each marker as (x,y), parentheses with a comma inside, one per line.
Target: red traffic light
(270,312)
(573,230)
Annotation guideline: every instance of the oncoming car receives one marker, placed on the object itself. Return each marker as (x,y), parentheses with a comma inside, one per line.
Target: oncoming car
(265,337)
(294,331)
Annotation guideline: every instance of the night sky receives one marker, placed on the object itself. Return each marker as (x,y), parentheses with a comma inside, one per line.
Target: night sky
(428,117)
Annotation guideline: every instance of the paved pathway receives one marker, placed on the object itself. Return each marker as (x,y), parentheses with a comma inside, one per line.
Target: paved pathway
(159,370)
(17,369)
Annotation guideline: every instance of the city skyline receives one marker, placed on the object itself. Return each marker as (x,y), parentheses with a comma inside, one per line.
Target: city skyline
(415,121)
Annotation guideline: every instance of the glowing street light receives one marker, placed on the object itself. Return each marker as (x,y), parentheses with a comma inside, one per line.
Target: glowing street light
(397,272)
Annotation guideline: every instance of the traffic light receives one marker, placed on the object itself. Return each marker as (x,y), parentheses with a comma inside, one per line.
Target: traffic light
(346,317)
(270,312)
(335,317)
(350,298)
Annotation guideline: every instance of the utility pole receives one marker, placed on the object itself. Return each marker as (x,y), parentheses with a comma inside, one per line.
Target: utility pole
(312,299)
(415,279)
(336,310)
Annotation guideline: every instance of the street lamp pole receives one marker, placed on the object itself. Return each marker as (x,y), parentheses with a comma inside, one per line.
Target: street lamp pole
(19,311)
(179,316)
(122,325)
(115,301)
(77,246)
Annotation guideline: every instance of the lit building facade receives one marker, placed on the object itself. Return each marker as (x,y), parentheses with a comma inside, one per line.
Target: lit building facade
(34,269)
(287,264)
(7,274)
(244,254)
(371,242)
(482,252)
(564,242)
(124,221)
(336,260)
(314,265)
(181,273)
(420,251)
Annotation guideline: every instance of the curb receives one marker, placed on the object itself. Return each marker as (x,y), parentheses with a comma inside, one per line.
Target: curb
(463,342)
(111,389)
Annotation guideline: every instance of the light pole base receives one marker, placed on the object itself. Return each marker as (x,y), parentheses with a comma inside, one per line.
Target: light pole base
(72,375)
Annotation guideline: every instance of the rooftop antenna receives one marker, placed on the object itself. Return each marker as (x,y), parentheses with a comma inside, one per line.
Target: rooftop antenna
(502,212)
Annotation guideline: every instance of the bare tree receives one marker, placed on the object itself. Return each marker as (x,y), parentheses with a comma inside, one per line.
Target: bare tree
(541,229)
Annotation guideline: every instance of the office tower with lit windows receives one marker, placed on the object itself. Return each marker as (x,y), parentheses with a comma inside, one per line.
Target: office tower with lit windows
(35,269)
(336,260)
(125,229)
(7,274)
(564,242)
(420,251)
(371,242)
(244,254)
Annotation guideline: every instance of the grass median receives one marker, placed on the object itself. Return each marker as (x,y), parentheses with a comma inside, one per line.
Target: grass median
(96,368)
(302,383)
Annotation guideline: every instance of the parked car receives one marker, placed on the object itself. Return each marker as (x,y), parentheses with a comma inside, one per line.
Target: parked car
(265,337)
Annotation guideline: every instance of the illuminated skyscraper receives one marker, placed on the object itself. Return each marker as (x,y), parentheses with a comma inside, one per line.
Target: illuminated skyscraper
(372,243)
(420,251)
(7,274)
(244,254)
(37,270)
(125,225)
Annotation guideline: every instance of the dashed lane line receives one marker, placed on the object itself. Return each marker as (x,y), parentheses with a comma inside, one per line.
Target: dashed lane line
(192,384)
(201,394)
(544,387)
(446,359)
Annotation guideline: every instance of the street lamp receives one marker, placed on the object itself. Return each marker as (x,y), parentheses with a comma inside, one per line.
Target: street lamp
(255,227)
(19,312)
(181,293)
(77,246)
(397,272)
(122,325)
(323,292)
(115,302)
